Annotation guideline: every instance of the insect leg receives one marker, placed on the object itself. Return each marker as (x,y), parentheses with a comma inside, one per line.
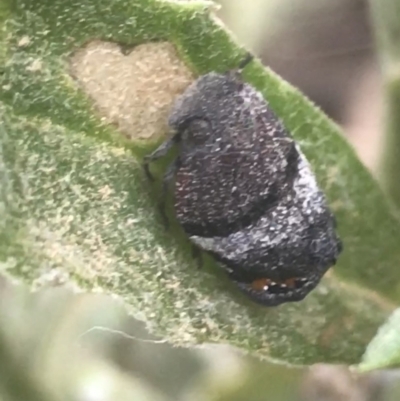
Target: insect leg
(196,254)
(167,180)
(239,69)
(161,151)
(249,57)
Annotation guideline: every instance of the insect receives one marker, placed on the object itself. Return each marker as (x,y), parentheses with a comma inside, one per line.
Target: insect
(244,192)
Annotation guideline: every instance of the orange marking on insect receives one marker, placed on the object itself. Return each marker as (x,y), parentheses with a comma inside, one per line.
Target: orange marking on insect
(260,284)
(290,282)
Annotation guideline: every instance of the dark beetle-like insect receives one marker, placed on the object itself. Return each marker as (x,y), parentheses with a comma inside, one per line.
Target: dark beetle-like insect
(244,191)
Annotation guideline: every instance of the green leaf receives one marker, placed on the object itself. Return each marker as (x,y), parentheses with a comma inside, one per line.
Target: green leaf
(384,350)
(78,210)
(385,18)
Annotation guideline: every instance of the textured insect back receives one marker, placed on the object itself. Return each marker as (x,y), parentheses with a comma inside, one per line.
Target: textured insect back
(244,191)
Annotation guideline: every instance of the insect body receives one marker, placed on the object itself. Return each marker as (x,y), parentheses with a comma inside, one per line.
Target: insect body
(244,191)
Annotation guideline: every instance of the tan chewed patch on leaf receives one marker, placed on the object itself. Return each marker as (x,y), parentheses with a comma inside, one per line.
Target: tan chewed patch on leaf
(134,91)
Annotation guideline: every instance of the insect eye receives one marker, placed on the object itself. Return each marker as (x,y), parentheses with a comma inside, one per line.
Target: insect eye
(194,122)
(199,125)
(195,130)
